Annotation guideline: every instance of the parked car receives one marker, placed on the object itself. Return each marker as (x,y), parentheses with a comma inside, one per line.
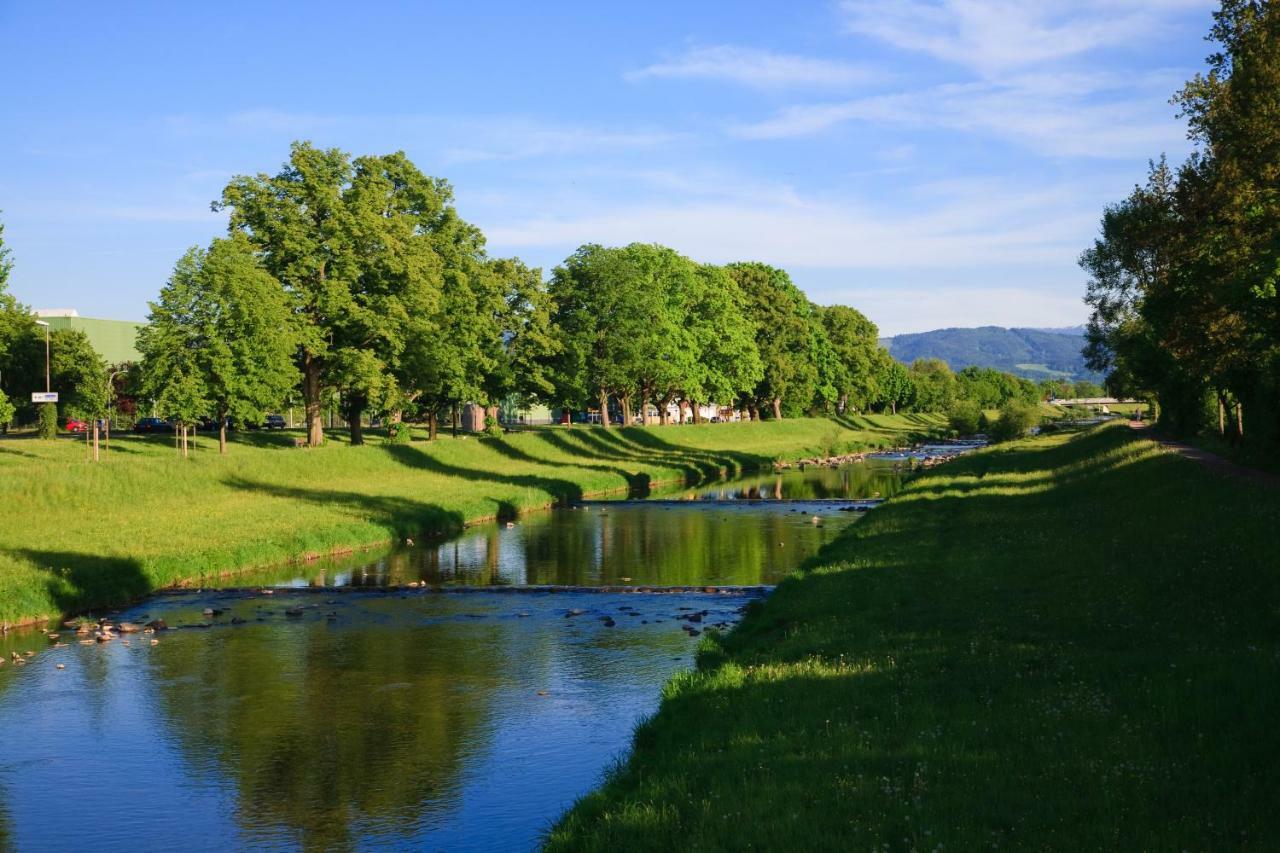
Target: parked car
(152,425)
(74,425)
(275,422)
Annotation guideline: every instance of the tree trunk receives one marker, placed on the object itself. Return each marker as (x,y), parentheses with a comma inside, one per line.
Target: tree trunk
(625,399)
(311,400)
(663,415)
(893,406)
(355,415)
(433,425)
(222,435)
(95,440)
(1240,420)
(1222,416)
(453,414)
(777,408)
(697,412)
(843,404)
(753,414)
(184,441)
(604,408)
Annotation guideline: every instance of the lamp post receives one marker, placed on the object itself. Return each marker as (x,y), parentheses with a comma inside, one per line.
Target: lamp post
(47,389)
(49,418)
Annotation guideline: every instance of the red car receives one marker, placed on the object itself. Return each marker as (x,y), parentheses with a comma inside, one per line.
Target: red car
(74,425)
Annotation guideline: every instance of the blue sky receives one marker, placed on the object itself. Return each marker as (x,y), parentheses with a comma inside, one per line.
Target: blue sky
(931,162)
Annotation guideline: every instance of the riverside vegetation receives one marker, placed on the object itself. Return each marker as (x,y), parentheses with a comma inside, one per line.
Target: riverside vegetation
(78,536)
(1065,642)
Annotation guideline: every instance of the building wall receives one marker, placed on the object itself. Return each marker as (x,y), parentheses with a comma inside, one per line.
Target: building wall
(114,340)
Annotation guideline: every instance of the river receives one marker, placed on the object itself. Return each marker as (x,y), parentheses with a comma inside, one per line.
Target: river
(331,705)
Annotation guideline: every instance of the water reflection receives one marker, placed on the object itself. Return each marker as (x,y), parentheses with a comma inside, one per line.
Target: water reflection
(344,718)
(624,542)
(464,720)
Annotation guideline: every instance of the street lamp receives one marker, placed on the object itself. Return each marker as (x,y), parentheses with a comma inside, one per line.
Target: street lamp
(47,389)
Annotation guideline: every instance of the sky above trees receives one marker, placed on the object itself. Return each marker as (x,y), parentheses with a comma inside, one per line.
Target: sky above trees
(931,163)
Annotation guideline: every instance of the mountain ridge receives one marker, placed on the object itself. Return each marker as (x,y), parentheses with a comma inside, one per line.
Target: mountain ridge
(1030,352)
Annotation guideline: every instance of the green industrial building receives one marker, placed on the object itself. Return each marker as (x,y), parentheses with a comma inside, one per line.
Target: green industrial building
(114,340)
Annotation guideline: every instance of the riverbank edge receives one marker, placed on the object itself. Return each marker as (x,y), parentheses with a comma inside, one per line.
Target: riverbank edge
(655,793)
(441,534)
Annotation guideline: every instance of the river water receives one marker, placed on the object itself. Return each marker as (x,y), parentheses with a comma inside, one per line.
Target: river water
(313,707)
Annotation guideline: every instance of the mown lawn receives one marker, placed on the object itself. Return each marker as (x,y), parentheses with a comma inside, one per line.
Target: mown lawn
(75,535)
(1067,643)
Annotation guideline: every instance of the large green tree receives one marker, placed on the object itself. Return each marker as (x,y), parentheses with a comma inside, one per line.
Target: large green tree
(220,339)
(855,342)
(782,316)
(364,249)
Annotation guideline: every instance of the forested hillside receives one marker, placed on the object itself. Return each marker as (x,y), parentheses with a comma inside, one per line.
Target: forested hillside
(1033,353)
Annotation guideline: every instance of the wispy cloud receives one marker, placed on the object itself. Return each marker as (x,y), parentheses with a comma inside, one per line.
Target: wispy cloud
(758,68)
(898,310)
(450,139)
(975,225)
(992,36)
(1060,115)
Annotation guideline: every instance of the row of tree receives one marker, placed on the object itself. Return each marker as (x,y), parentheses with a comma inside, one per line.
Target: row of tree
(1185,277)
(354,282)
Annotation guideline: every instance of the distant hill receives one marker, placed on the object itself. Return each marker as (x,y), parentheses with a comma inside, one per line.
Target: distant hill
(1033,353)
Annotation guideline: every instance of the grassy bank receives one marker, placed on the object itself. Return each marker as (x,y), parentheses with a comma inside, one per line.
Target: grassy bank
(1071,642)
(74,535)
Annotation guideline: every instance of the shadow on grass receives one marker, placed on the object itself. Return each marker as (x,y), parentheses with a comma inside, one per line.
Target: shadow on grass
(1021,670)
(401,516)
(562,491)
(638,484)
(77,581)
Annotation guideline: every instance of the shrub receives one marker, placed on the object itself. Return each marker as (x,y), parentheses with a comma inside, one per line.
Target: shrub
(398,432)
(48,420)
(492,428)
(965,417)
(1014,421)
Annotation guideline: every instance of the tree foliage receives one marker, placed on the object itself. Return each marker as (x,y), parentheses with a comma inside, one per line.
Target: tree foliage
(220,340)
(1183,278)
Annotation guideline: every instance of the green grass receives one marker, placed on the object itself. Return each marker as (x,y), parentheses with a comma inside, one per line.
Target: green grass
(1070,642)
(75,535)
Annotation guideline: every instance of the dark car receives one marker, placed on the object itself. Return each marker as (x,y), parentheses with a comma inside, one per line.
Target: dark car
(274,422)
(152,425)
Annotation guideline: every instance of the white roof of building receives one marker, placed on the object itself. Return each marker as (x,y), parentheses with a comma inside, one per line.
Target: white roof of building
(56,312)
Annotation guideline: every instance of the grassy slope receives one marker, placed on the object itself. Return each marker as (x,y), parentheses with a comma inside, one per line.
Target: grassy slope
(1068,643)
(75,535)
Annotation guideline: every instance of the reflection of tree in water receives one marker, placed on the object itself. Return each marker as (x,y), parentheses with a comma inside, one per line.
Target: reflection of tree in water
(6,833)
(325,728)
(677,547)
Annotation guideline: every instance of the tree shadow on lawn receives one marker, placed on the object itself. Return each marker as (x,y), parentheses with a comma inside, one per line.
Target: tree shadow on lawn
(398,515)
(598,442)
(966,665)
(708,464)
(78,581)
(562,491)
(637,484)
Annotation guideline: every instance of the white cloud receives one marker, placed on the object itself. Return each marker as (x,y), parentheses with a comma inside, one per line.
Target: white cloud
(759,68)
(898,310)
(981,225)
(991,36)
(452,139)
(1060,115)
(518,138)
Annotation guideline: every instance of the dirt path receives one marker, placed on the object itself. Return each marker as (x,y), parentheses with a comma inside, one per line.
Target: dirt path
(1212,461)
